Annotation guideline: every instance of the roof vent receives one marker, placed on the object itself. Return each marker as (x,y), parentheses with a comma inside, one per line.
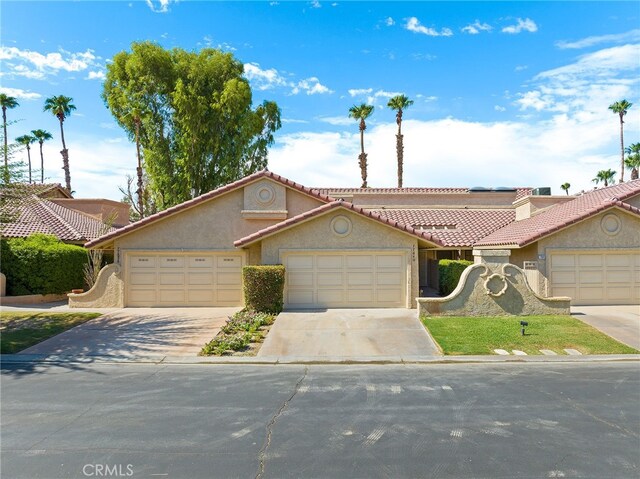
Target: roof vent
(479,189)
(542,191)
(504,189)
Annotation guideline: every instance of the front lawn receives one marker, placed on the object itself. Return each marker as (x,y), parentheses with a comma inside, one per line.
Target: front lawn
(18,331)
(473,335)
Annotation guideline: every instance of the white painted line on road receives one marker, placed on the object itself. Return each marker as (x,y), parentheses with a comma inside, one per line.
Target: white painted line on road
(370,388)
(548,352)
(517,352)
(501,352)
(573,352)
(303,389)
(447,388)
(374,437)
(396,389)
(419,388)
(241,432)
(456,433)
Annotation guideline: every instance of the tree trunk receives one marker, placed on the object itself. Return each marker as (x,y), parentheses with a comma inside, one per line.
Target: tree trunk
(363,156)
(621,147)
(41,163)
(29,160)
(399,147)
(634,173)
(4,127)
(65,157)
(140,191)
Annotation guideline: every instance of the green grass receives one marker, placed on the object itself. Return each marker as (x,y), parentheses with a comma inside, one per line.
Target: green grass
(18,331)
(473,335)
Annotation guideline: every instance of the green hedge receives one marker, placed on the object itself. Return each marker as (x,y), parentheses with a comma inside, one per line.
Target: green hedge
(41,264)
(449,272)
(263,288)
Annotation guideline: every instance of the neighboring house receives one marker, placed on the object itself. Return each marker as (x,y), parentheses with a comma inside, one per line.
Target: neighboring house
(352,247)
(48,208)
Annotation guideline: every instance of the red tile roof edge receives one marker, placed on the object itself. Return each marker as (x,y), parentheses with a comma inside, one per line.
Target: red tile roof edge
(327,207)
(205,197)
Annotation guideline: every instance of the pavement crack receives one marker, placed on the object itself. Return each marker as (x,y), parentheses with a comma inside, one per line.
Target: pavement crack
(262,455)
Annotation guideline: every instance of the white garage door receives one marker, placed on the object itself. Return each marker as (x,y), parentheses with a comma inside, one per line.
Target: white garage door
(184,279)
(596,276)
(346,280)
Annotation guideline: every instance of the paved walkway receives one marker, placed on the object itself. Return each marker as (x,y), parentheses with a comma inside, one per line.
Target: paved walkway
(620,322)
(348,333)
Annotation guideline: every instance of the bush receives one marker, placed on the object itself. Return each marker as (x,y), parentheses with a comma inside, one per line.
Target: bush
(449,272)
(263,288)
(41,264)
(240,330)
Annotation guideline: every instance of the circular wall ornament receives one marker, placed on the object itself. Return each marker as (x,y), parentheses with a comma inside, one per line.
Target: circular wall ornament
(496,285)
(611,224)
(265,194)
(341,226)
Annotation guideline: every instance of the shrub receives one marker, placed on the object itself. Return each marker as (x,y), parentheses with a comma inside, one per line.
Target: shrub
(41,264)
(240,330)
(263,288)
(449,272)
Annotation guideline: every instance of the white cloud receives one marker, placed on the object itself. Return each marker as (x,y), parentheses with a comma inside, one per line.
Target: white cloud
(96,75)
(35,65)
(389,22)
(499,108)
(20,93)
(423,56)
(631,36)
(520,68)
(414,25)
(477,27)
(160,6)
(293,121)
(359,91)
(526,25)
(311,86)
(271,78)
(316,4)
(337,120)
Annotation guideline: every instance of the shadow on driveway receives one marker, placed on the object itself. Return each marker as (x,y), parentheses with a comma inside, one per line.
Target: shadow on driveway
(622,323)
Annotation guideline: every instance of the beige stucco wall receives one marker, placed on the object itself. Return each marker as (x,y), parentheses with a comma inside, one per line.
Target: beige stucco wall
(316,234)
(107,292)
(440,199)
(634,201)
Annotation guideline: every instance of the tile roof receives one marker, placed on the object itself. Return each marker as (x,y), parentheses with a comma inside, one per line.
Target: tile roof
(38,215)
(330,206)
(205,197)
(464,226)
(41,189)
(521,192)
(527,231)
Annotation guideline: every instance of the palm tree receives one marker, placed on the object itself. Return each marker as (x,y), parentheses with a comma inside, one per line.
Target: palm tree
(605,176)
(41,136)
(361,113)
(633,160)
(7,102)
(565,187)
(26,140)
(61,107)
(621,107)
(137,121)
(399,103)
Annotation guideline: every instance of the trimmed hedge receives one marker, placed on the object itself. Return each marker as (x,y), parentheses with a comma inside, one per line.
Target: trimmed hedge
(41,264)
(449,272)
(263,288)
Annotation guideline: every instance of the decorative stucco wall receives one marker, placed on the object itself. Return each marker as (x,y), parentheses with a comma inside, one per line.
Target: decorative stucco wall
(108,292)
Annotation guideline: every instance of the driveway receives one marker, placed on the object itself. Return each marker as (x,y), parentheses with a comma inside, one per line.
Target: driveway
(139,333)
(620,322)
(348,333)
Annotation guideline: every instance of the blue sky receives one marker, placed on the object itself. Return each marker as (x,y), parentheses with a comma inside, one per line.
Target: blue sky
(506,94)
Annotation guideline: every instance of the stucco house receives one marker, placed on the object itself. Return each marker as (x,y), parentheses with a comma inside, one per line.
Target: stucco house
(374,247)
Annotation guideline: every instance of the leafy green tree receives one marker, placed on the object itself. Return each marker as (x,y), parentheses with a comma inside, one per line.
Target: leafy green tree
(606,176)
(621,107)
(399,103)
(633,160)
(361,113)
(7,102)
(565,187)
(61,107)
(26,141)
(41,136)
(192,115)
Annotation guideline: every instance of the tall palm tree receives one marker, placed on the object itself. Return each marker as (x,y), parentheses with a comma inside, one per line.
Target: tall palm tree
(633,160)
(399,103)
(26,140)
(41,136)
(361,113)
(621,107)
(61,107)
(7,102)
(137,121)
(565,187)
(606,176)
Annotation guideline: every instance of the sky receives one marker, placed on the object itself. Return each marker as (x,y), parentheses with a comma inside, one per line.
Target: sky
(505,93)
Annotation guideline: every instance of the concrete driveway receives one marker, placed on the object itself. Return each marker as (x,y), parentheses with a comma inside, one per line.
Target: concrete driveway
(620,322)
(139,333)
(348,333)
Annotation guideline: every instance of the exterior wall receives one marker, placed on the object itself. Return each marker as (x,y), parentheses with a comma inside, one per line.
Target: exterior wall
(489,199)
(634,201)
(317,234)
(530,205)
(108,292)
(100,209)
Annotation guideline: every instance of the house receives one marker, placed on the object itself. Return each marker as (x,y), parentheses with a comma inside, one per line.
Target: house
(360,247)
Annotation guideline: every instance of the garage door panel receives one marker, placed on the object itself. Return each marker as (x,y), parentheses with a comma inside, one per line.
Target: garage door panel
(229,279)
(141,279)
(390,261)
(561,291)
(360,296)
(563,261)
(384,279)
(171,296)
(623,260)
(589,294)
(329,262)
(563,277)
(300,297)
(229,296)
(619,277)
(298,280)
(201,262)
(229,262)
(200,295)
(388,296)
(591,277)
(327,297)
(619,293)
(359,261)
(586,260)
(299,262)
(196,279)
(171,279)
(142,262)
(359,279)
(171,262)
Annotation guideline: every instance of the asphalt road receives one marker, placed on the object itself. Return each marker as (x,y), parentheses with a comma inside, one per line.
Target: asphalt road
(203,421)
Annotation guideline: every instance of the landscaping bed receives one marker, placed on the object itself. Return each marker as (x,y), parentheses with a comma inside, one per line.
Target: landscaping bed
(19,331)
(242,335)
(482,335)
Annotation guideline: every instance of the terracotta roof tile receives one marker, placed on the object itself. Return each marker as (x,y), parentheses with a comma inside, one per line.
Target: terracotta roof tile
(327,207)
(560,216)
(521,192)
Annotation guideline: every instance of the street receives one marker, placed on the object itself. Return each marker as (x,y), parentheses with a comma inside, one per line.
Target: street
(318,421)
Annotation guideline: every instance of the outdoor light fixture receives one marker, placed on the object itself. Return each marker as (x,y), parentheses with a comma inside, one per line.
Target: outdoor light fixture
(523,324)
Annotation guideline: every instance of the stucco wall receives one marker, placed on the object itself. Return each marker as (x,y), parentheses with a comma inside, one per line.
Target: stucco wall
(440,199)
(108,292)
(316,234)
(634,201)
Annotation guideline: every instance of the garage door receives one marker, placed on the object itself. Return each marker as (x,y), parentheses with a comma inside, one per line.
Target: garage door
(596,277)
(184,279)
(346,280)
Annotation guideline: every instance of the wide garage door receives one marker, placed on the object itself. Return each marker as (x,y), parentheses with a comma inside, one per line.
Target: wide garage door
(184,279)
(596,276)
(346,280)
